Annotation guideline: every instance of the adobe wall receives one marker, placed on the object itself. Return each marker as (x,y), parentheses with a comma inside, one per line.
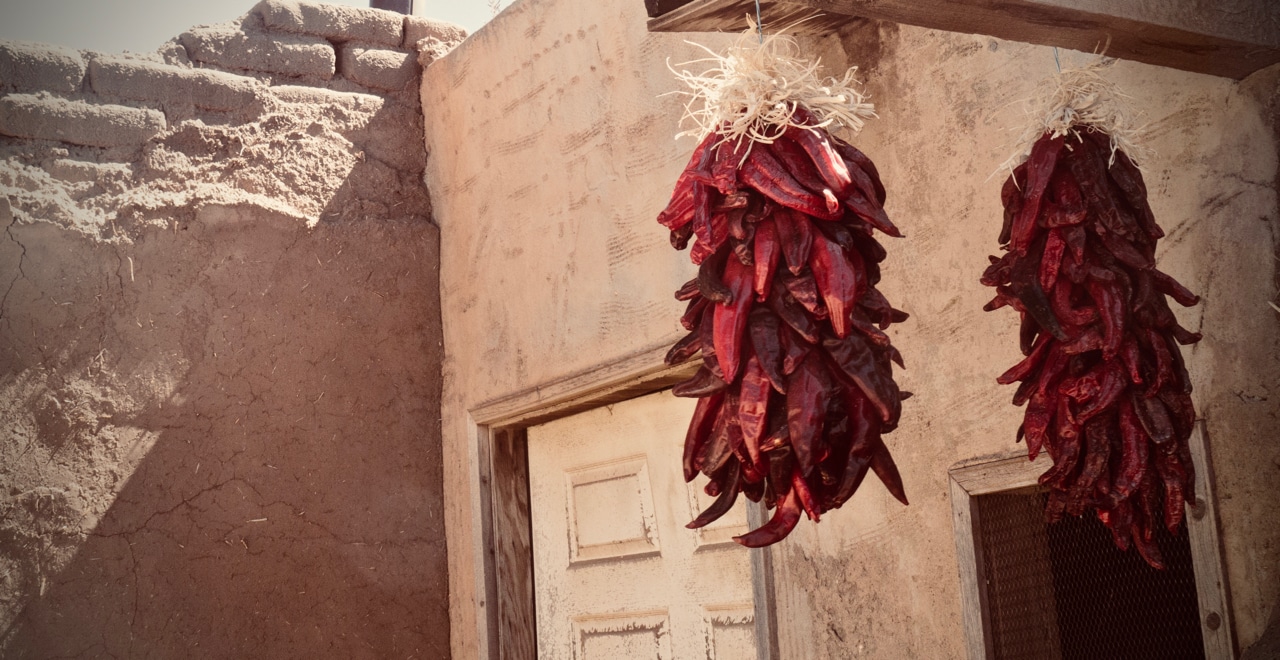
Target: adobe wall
(220,344)
(552,264)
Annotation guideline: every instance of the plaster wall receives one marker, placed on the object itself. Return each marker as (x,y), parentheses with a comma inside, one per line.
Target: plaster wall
(220,345)
(552,154)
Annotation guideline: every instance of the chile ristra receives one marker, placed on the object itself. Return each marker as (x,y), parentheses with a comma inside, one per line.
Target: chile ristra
(1106,390)
(795,386)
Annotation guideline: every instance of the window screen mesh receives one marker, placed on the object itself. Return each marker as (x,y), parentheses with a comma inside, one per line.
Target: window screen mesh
(1065,591)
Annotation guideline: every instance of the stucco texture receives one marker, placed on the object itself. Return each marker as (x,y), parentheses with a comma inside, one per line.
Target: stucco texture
(552,154)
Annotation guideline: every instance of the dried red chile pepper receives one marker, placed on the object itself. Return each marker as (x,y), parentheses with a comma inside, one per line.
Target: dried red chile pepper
(796,384)
(1106,392)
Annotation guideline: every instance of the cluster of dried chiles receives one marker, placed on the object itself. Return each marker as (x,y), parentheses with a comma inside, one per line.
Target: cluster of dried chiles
(796,386)
(1104,383)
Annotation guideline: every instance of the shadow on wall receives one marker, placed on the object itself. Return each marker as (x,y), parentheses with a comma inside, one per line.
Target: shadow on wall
(289,506)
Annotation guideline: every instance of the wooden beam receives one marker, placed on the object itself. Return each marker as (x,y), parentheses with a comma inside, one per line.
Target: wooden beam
(624,378)
(1234,39)
(803,17)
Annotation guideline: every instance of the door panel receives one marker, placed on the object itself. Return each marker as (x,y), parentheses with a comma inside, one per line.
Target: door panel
(616,574)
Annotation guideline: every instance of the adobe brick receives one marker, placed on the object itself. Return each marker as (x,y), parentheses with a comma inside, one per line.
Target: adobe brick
(44,117)
(171,85)
(335,22)
(226,46)
(379,68)
(32,67)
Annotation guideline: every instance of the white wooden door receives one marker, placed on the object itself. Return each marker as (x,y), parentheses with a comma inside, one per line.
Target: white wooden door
(616,573)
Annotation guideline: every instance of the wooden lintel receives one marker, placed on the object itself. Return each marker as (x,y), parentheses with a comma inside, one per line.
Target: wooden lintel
(1232,40)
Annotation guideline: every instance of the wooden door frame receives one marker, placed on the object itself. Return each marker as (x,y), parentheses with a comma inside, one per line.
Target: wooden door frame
(993,474)
(499,425)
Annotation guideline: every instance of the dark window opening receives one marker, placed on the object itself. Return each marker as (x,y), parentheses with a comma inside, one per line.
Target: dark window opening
(1065,591)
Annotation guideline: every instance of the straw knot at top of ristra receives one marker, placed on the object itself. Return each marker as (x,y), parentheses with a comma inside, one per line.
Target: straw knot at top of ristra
(753,90)
(1081,99)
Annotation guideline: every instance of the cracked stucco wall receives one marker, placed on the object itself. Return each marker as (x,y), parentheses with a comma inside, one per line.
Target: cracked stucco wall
(220,344)
(552,265)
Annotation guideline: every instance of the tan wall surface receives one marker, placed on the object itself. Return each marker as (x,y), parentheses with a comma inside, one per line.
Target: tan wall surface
(553,153)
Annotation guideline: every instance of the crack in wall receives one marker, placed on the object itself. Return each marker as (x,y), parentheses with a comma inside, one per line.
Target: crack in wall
(8,230)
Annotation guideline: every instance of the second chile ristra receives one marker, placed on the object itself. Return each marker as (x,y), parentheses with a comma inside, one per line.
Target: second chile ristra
(1107,393)
(796,385)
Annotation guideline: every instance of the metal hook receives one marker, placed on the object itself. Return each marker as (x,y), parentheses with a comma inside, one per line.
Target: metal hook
(759,23)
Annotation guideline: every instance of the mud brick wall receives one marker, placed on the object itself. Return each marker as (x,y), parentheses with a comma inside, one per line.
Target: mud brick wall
(220,344)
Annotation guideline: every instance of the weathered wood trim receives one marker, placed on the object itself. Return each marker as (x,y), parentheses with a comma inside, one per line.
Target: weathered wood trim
(512,545)
(968,480)
(1216,622)
(763,589)
(488,566)
(619,380)
(1174,34)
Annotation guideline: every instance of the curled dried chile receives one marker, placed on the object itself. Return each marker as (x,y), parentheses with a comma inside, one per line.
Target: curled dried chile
(753,409)
(784,519)
(764,173)
(792,314)
(702,383)
(799,165)
(709,282)
(1172,288)
(855,358)
(1028,365)
(680,237)
(684,349)
(1133,458)
(1044,158)
(829,163)
(688,290)
(718,447)
(724,503)
(795,237)
(724,168)
(807,393)
(836,274)
(1111,308)
(1089,167)
(731,318)
(854,158)
(705,415)
(1128,178)
(693,313)
(807,501)
(805,291)
(1154,418)
(766,251)
(872,251)
(1025,284)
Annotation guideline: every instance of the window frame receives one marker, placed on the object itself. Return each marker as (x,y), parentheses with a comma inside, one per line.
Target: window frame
(993,474)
